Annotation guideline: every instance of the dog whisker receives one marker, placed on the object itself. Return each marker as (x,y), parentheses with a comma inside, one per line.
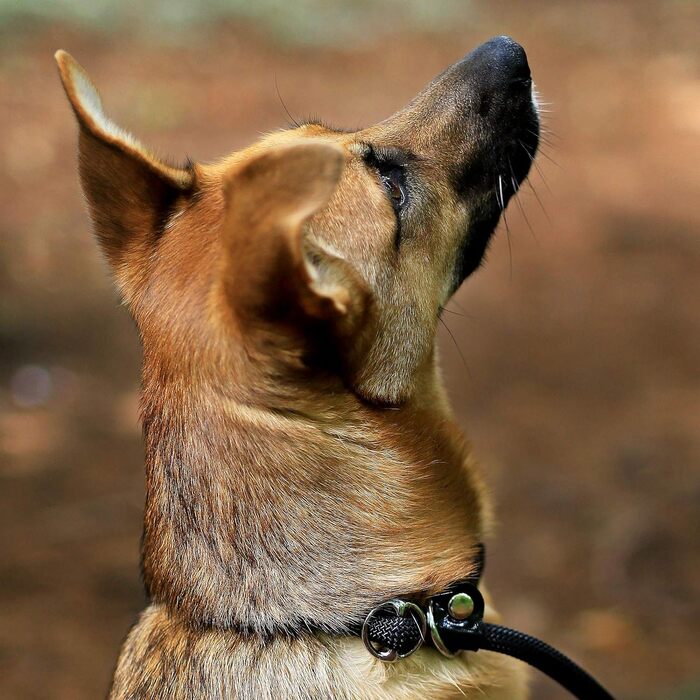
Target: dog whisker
(544,139)
(550,159)
(544,134)
(449,311)
(516,189)
(510,248)
(461,308)
(454,340)
(539,201)
(505,221)
(536,165)
(531,186)
(284,106)
(499,200)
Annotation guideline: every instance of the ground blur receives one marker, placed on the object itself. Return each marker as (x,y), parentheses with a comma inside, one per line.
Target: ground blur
(572,357)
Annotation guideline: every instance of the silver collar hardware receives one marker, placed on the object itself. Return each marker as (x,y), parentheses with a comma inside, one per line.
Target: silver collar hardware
(458,610)
(435,634)
(401,608)
(457,615)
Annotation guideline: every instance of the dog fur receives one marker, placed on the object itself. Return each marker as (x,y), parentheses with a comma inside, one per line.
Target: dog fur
(302,462)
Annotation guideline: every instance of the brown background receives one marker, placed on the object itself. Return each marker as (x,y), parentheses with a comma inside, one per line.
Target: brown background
(574,365)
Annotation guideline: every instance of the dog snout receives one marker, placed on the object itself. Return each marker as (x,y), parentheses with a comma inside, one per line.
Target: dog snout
(509,61)
(496,73)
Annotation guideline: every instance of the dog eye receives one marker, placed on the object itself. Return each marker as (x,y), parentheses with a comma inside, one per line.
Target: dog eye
(392,174)
(393,181)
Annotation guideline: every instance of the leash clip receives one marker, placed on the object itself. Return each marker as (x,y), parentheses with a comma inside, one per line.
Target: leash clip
(455,620)
(400,608)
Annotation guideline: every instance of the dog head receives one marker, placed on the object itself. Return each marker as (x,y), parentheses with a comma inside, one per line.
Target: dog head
(314,248)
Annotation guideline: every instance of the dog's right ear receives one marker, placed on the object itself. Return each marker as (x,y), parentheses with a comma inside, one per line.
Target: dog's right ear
(129,190)
(270,261)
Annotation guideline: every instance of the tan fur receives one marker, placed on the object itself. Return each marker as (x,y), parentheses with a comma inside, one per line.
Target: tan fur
(302,462)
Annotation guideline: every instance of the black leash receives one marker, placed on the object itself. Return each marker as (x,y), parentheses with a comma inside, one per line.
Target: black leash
(453,622)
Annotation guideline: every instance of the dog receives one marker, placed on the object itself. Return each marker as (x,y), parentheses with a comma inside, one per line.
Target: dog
(302,462)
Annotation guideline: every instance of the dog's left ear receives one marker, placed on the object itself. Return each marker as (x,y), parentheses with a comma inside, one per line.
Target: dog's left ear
(129,190)
(271,262)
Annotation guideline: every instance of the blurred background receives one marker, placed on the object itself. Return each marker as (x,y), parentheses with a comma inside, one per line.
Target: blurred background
(572,357)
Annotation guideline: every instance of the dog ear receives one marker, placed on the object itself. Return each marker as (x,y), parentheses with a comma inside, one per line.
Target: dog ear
(271,261)
(129,190)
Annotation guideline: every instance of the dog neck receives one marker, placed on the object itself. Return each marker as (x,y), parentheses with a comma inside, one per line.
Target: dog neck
(271,510)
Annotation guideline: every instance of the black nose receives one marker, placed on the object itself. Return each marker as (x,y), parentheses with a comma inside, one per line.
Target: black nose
(497,66)
(509,59)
